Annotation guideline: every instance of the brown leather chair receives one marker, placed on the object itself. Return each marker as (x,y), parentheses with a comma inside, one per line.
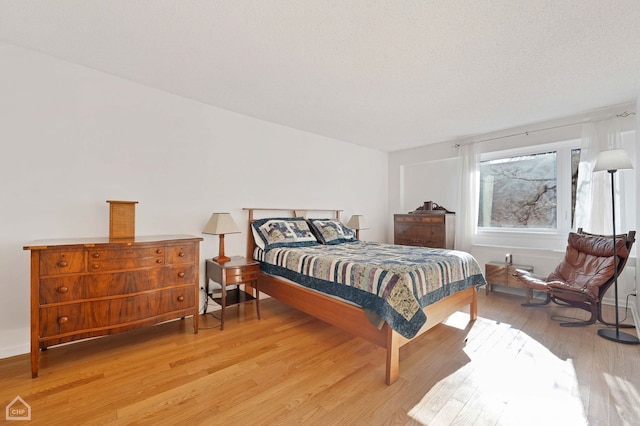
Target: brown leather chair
(584,275)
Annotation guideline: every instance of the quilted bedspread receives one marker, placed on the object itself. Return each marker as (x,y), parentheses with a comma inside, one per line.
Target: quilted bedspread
(395,282)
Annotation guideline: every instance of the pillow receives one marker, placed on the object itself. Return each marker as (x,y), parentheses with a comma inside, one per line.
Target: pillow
(331,231)
(282,232)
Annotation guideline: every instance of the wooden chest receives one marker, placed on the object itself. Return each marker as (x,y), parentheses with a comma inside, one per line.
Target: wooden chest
(82,289)
(503,274)
(425,229)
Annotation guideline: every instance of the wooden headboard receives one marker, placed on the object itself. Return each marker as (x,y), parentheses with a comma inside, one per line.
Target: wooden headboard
(251,245)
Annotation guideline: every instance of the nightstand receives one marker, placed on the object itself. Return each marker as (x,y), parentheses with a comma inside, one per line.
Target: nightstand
(236,272)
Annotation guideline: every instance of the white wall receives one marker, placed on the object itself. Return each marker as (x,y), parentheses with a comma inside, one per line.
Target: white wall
(72,138)
(423,182)
(403,164)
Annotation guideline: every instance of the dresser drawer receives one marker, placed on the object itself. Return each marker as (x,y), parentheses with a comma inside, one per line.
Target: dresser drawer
(420,219)
(129,253)
(104,314)
(82,287)
(176,275)
(120,264)
(61,262)
(242,274)
(181,254)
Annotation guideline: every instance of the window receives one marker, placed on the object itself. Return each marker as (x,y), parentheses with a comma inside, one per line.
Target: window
(519,192)
(530,190)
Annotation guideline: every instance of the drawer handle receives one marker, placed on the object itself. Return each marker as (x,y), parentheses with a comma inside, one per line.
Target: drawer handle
(181,254)
(95,266)
(63,320)
(180,298)
(63,289)
(159,251)
(181,274)
(158,260)
(62,264)
(96,255)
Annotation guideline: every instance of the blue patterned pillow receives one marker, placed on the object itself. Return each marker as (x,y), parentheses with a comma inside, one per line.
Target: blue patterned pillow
(331,231)
(282,232)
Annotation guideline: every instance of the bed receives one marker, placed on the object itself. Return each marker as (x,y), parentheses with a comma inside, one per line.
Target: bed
(371,290)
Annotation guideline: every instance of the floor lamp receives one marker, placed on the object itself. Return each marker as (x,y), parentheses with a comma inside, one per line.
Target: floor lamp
(612,161)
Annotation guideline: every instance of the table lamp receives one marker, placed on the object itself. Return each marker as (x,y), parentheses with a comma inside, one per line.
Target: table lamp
(357,222)
(221,224)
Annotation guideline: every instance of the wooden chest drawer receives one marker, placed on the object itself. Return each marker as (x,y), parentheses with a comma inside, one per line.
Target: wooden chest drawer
(128,253)
(176,275)
(81,287)
(127,258)
(119,264)
(61,262)
(111,313)
(239,275)
(180,254)
(420,219)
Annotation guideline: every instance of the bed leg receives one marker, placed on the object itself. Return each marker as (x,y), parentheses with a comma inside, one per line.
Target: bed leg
(393,357)
(473,306)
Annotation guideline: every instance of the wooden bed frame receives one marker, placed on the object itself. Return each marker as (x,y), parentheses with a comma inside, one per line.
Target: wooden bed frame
(349,317)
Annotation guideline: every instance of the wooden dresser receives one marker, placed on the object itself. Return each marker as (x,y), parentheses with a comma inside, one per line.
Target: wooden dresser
(88,288)
(425,229)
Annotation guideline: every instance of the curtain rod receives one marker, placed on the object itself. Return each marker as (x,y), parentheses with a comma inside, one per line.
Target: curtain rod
(621,115)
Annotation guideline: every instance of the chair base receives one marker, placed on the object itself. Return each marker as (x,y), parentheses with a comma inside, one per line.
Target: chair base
(617,336)
(534,304)
(594,308)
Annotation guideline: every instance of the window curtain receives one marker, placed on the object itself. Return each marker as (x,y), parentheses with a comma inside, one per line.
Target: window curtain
(593,191)
(467,219)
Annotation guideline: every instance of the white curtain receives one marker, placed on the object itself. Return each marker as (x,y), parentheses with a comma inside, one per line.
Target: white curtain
(593,193)
(467,219)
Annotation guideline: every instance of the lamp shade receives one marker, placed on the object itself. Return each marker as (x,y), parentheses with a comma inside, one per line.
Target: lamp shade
(613,159)
(220,224)
(357,221)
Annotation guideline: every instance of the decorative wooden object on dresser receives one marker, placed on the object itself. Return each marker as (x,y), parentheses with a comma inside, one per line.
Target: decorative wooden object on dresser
(427,229)
(94,287)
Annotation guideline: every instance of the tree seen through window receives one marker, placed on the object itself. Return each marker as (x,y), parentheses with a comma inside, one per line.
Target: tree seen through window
(519,192)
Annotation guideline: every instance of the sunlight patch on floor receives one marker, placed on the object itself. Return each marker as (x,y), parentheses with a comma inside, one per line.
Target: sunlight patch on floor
(504,379)
(623,390)
(459,320)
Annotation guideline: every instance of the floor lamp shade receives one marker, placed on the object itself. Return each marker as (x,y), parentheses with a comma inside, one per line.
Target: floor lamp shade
(221,224)
(612,161)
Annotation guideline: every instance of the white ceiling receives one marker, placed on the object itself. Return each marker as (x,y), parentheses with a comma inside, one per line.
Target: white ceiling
(384,74)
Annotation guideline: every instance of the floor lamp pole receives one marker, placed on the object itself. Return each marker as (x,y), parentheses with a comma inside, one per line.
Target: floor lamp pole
(616,335)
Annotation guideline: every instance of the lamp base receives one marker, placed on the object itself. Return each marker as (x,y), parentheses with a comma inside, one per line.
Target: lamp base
(221,259)
(618,336)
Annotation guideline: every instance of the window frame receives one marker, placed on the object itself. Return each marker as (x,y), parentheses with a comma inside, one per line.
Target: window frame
(543,238)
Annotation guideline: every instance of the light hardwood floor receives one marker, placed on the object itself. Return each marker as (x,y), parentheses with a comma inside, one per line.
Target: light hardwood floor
(513,366)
